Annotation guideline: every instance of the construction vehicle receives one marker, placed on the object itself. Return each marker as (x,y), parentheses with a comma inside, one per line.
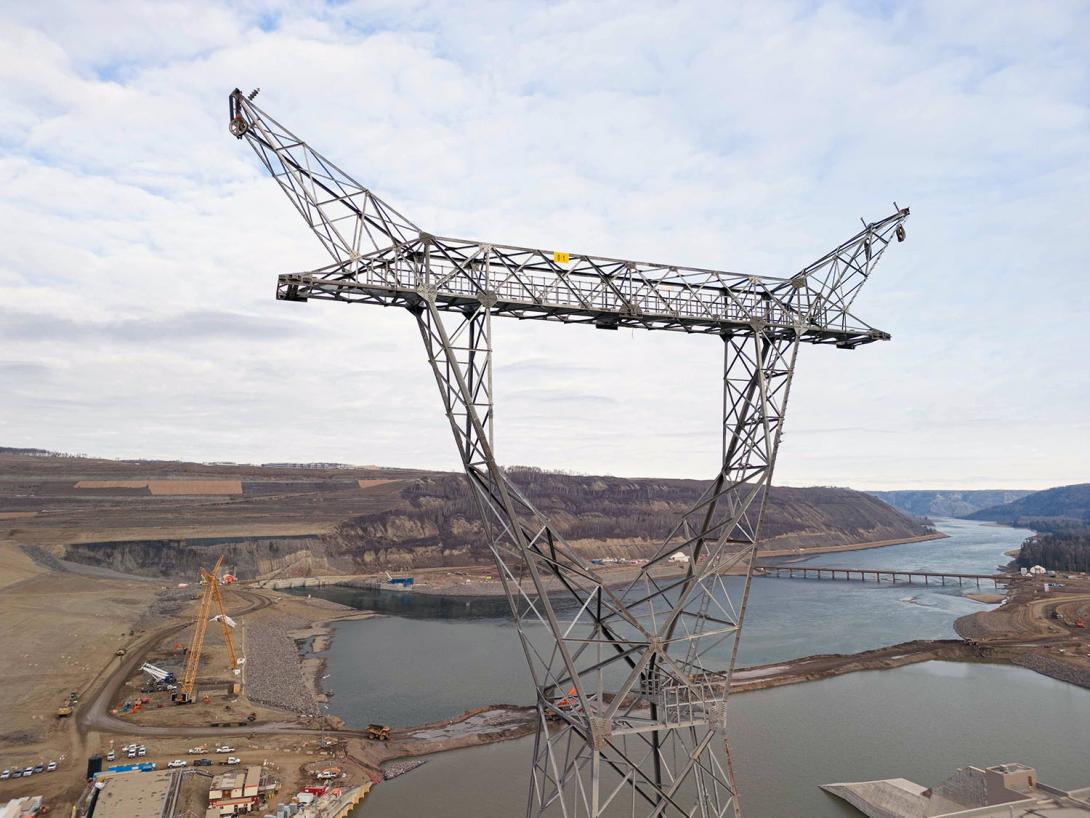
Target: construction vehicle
(69,706)
(211,594)
(1080,622)
(378,732)
(119,652)
(162,677)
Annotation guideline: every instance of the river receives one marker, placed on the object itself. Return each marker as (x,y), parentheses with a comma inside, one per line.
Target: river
(919,722)
(431,659)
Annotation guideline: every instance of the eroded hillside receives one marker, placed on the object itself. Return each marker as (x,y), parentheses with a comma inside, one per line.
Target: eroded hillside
(167,519)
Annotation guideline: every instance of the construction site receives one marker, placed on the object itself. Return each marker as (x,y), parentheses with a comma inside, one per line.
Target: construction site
(193,682)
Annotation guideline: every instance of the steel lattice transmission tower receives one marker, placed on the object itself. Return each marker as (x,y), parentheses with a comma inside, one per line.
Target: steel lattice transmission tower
(631,681)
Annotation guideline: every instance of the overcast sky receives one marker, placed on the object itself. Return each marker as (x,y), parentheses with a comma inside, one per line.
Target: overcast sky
(141,242)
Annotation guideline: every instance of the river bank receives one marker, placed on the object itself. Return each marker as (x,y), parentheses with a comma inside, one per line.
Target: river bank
(789,740)
(479,580)
(312,641)
(456,656)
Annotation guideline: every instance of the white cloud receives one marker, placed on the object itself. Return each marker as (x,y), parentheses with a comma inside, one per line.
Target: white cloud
(747,138)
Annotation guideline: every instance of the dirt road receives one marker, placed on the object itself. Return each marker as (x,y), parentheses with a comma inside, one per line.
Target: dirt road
(94,713)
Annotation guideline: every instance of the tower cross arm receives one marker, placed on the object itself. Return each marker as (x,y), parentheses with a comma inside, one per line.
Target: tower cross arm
(608,293)
(379,256)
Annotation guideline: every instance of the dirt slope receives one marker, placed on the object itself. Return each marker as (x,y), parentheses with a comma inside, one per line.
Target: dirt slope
(167,519)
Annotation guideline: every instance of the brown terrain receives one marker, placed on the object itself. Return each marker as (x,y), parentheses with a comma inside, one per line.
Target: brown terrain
(81,656)
(166,519)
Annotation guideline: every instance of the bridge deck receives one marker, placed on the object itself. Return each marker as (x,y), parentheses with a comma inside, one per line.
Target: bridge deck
(893,575)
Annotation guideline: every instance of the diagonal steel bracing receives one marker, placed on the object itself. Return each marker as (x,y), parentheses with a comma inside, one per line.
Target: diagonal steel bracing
(631,679)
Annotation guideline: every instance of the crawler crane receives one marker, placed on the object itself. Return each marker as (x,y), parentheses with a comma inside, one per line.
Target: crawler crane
(211,594)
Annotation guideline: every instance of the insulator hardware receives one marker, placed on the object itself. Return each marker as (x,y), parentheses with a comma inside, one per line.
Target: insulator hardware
(237,124)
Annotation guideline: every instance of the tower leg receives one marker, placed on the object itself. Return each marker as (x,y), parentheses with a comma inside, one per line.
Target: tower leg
(631,682)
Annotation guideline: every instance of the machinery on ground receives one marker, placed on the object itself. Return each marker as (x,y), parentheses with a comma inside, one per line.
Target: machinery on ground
(210,595)
(650,663)
(162,677)
(378,732)
(69,707)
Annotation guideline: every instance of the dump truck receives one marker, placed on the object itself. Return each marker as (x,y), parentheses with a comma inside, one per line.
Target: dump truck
(378,732)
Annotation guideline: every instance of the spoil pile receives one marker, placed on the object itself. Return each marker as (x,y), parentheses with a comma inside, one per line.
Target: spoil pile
(274,674)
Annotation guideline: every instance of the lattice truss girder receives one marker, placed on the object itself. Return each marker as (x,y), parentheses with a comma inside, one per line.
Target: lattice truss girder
(381,257)
(631,681)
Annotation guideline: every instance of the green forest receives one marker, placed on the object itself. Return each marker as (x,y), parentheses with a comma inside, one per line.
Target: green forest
(1063,547)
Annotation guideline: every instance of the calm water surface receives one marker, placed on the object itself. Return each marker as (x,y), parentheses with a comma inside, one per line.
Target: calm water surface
(433,658)
(919,722)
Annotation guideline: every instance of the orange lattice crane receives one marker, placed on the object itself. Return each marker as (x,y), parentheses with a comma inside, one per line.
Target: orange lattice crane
(211,594)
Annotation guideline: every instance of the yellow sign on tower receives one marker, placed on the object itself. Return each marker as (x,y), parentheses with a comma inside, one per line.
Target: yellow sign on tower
(560,258)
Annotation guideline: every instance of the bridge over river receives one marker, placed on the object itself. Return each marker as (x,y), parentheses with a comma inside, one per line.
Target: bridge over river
(892,575)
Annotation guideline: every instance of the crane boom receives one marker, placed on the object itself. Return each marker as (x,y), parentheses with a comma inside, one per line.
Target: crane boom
(210,595)
(226,623)
(380,257)
(196,644)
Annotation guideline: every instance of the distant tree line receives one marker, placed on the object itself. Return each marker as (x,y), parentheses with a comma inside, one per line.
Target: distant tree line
(1067,548)
(38,452)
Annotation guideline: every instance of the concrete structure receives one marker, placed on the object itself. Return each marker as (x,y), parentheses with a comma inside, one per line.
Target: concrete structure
(136,794)
(1002,791)
(331,802)
(1037,569)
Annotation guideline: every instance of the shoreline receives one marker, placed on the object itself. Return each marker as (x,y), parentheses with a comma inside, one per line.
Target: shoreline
(1029,641)
(477,580)
(319,633)
(494,723)
(474,581)
(316,638)
(864,546)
